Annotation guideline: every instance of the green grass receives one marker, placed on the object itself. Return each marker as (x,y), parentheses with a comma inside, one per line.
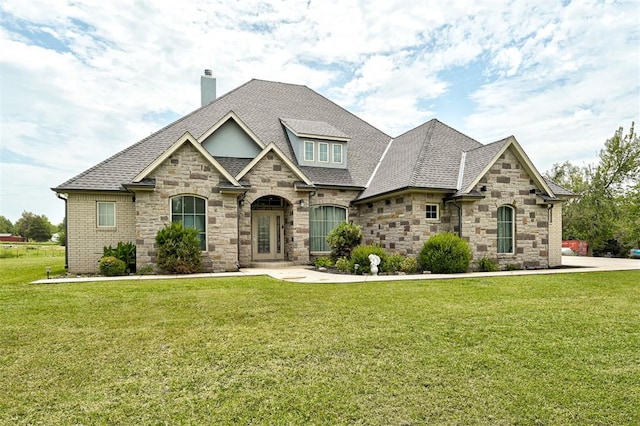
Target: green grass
(546,349)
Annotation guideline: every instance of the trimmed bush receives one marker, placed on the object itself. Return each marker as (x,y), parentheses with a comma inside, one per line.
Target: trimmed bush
(111,266)
(360,257)
(322,262)
(409,265)
(393,263)
(344,265)
(343,239)
(178,250)
(487,265)
(445,254)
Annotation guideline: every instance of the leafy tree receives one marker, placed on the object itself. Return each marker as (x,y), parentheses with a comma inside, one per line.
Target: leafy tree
(606,211)
(34,227)
(62,232)
(6,227)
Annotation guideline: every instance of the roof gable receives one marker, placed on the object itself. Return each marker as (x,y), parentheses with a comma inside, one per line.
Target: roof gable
(503,145)
(187,138)
(273,148)
(244,144)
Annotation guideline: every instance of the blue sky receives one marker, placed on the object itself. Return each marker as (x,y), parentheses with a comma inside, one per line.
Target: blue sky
(81,80)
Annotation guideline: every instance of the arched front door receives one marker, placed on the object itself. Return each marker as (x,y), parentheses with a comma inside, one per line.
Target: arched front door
(267,228)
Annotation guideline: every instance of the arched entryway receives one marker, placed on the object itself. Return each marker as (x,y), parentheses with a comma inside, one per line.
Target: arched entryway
(268,228)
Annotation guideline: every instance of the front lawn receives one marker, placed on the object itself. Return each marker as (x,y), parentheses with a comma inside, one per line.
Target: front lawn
(543,349)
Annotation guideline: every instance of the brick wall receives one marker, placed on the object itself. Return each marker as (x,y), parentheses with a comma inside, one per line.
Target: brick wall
(85,241)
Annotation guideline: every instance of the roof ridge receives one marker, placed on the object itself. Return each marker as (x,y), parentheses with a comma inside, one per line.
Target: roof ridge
(424,148)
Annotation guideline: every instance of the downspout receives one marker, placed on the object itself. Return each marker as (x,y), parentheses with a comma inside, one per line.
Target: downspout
(66,231)
(239,206)
(549,218)
(459,207)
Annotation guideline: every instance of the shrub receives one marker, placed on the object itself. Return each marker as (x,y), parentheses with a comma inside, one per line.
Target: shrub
(322,262)
(343,239)
(145,270)
(393,263)
(512,267)
(344,265)
(360,257)
(487,265)
(409,265)
(178,250)
(111,266)
(125,252)
(445,254)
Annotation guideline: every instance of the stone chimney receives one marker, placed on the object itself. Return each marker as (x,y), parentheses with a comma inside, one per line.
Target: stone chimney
(207,88)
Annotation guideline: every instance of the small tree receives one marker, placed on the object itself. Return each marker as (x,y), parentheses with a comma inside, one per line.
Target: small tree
(445,254)
(343,239)
(178,249)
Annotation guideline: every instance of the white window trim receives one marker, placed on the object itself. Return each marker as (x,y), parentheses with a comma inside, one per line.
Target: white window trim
(333,146)
(98,214)
(313,150)
(437,206)
(320,160)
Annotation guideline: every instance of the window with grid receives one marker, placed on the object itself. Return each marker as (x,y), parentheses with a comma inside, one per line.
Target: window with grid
(308,150)
(323,152)
(322,220)
(191,212)
(337,153)
(106,215)
(431,211)
(505,229)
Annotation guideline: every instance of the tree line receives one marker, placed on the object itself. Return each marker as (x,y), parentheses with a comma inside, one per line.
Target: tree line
(33,227)
(606,209)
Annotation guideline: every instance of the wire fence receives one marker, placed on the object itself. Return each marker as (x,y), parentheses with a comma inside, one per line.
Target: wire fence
(13,251)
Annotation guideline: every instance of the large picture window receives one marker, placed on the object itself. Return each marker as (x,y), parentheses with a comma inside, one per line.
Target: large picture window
(322,219)
(106,215)
(505,229)
(191,212)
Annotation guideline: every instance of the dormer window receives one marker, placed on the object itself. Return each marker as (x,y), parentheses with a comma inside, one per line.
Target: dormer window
(317,143)
(309,149)
(337,153)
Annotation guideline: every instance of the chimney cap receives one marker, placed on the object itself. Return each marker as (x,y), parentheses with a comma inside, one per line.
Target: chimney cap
(208,72)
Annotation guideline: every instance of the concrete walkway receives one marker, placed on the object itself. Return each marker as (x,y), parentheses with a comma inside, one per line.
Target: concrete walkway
(302,274)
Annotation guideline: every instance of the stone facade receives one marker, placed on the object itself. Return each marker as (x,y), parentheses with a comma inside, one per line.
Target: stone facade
(271,176)
(85,240)
(399,224)
(186,172)
(508,184)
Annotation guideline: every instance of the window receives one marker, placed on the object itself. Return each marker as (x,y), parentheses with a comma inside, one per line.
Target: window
(431,211)
(337,153)
(323,152)
(505,229)
(308,151)
(190,211)
(106,215)
(322,219)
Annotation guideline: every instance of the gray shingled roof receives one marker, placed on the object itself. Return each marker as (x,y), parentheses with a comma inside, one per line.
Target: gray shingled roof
(313,128)
(478,159)
(259,104)
(425,157)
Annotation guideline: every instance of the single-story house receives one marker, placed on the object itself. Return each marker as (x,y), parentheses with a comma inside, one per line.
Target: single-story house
(267,170)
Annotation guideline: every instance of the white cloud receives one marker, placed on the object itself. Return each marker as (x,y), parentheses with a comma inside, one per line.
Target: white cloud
(560,77)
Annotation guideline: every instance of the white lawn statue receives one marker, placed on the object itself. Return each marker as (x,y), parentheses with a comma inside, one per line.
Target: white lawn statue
(374,260)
